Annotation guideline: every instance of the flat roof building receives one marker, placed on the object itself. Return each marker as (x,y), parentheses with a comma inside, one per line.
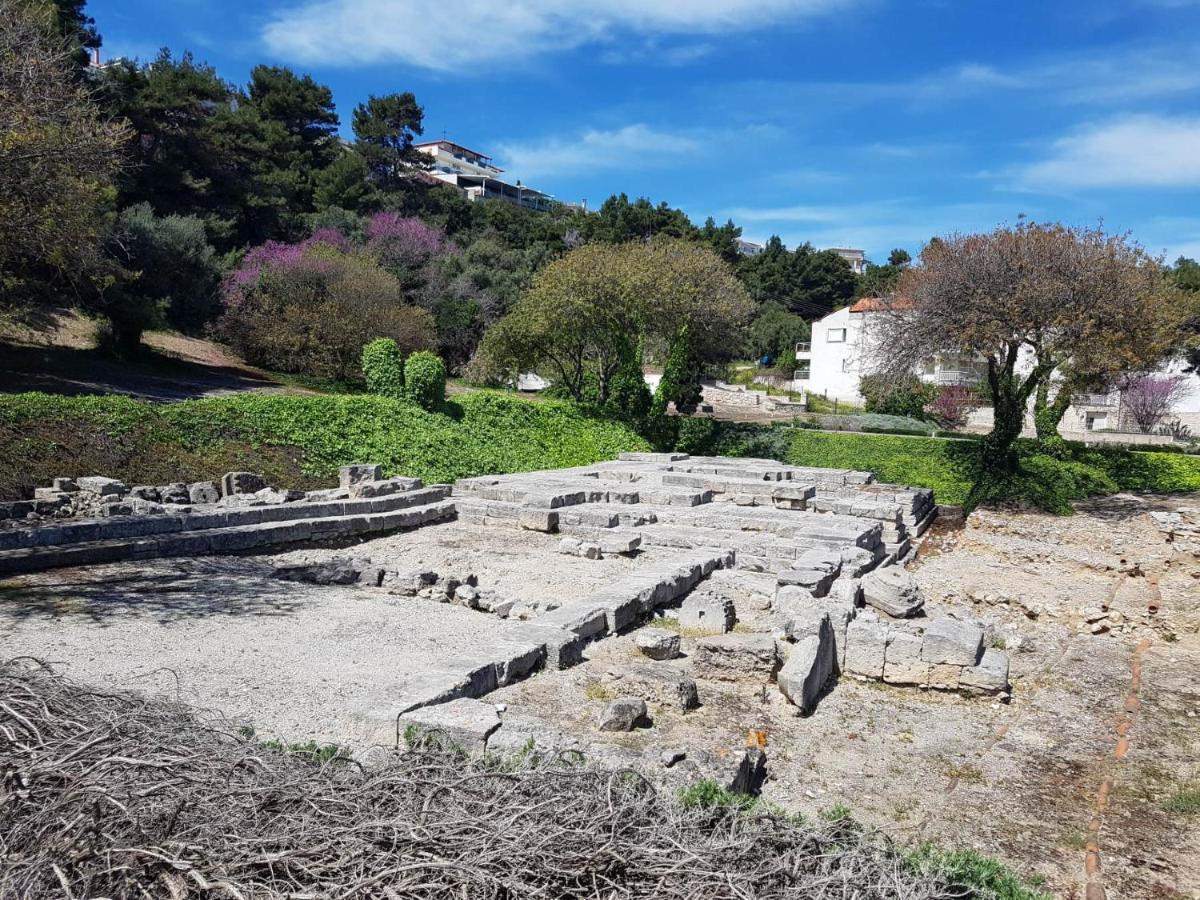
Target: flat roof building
(477,177)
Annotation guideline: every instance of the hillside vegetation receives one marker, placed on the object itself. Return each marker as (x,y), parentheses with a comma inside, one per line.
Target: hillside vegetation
(294,441)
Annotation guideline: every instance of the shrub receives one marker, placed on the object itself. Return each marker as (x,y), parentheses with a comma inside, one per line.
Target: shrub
(425,379)
(695,435)
(309,308)
(383,367)
(904,396)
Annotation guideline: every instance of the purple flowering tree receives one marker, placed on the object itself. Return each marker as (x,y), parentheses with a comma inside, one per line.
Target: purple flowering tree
(405,243)
(1148,399)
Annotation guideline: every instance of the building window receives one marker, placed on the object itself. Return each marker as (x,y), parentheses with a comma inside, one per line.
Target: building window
(846,364)
(836,335)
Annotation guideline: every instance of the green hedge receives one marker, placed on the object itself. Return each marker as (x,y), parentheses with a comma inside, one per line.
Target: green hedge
(295,440)
(951,468)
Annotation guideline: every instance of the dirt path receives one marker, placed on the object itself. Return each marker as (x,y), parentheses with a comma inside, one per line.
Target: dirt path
(58,357)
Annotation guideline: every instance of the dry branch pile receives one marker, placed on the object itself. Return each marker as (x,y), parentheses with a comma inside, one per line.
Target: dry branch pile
(113,795)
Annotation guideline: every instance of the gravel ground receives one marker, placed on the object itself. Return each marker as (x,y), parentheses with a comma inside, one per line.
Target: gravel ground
(297,661)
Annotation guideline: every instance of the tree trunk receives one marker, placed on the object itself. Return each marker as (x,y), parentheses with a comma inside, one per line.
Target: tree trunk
(1010,396)
(1048,413)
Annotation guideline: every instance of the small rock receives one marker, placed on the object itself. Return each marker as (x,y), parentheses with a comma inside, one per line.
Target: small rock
(670,757)
(658,643)
(623,714)
(1099,628)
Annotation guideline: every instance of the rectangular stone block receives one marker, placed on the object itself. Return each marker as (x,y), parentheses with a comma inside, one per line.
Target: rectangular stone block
(952,642)
(866,646)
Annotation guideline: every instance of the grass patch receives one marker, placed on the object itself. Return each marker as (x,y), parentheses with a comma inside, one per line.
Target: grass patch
(594,690)
(1184,802)
(965,772)
(294,441)
(976,871)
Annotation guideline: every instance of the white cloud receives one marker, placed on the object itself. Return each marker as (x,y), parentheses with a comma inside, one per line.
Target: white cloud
(1133,151)
(454,34)
(633,146)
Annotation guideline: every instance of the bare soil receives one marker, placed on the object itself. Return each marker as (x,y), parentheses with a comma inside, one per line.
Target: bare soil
(56,354)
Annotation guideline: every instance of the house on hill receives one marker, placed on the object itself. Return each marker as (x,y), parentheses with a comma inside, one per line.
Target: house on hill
(477,177)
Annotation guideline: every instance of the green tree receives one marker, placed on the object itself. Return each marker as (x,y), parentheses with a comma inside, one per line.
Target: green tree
(300,133)
(58,159)
(680,382)
(175,277)
(578,317)
(343,184)
(774,332)
(899,258)
(385,128)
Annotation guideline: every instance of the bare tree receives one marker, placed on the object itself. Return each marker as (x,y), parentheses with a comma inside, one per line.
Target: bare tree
(1038,302)
(1149,399)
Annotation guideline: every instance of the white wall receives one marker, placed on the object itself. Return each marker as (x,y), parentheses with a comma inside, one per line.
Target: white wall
(836,365)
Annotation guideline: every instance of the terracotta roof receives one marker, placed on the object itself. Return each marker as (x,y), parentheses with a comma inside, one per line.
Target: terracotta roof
(878,304)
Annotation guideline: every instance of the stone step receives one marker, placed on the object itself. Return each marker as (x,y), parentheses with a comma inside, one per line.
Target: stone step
(126,527)
(230,539)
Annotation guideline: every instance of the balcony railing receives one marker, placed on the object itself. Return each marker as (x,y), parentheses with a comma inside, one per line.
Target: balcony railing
(804,347)
(1104,401)
(801,375)
(957,376)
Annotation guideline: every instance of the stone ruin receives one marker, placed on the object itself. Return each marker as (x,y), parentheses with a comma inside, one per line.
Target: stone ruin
(817,553)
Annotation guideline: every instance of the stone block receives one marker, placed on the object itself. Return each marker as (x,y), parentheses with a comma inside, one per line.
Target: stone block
(944,677)
(866,645)
(203,492)
(176,492)
(658,643)
(810,666)
(533,519)
(241,483)
(817,579)
(105,487)
(903,663)
(64,484)
(655,683)
(707,611)
(358,473)
(729,657)
(952,642)
(893,591)
(623,714)
(990,676)
(574,547)
(465,722)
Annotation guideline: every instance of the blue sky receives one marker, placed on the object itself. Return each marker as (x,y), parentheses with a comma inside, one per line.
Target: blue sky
(860,123)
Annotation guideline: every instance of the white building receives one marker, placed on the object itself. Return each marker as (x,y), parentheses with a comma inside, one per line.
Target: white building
(856,258)
(836,357)
(475,175)
(839,352)
(748,248)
